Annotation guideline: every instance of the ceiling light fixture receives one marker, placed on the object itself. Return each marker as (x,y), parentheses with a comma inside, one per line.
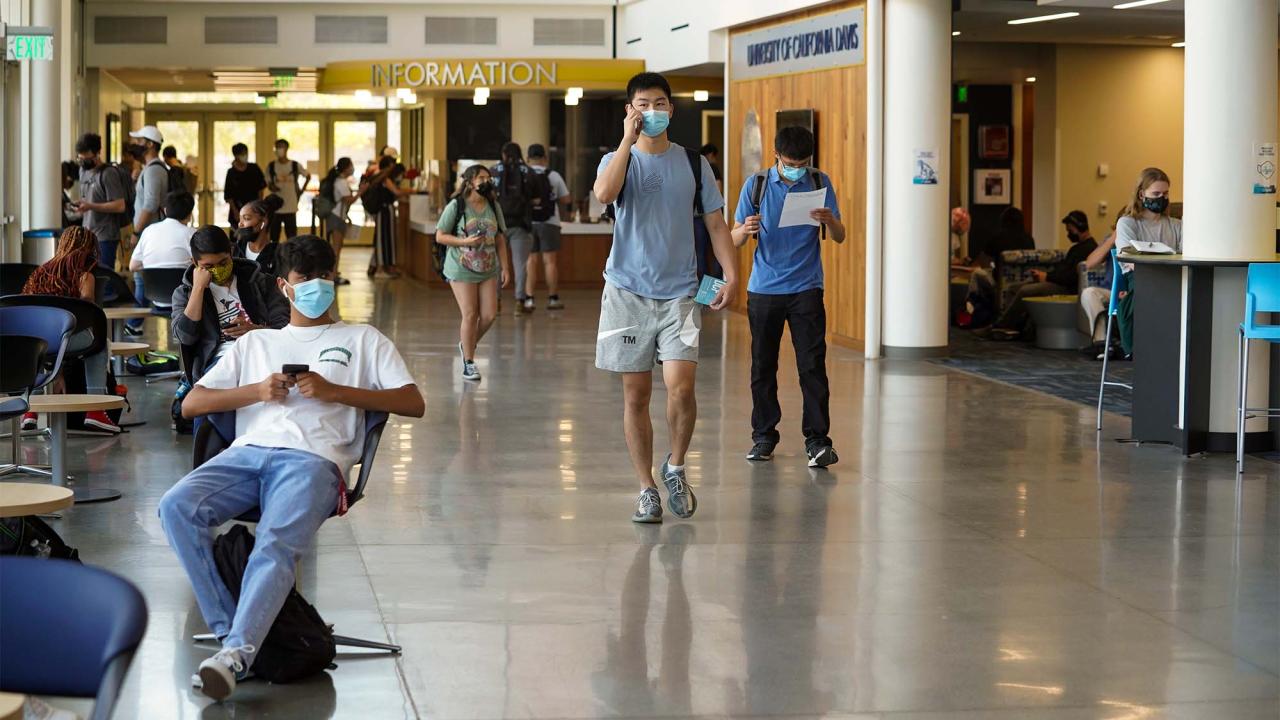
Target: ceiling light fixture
(1179,44)
(363,94)
(481,97)
(570,99)
(955,33)
(1136,3)
(701,95)
(1031,79)
(1044,18)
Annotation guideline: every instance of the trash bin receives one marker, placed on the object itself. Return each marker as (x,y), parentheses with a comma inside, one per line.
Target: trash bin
(38,246)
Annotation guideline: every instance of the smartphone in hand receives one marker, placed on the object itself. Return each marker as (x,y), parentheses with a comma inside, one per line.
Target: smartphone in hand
(294,370)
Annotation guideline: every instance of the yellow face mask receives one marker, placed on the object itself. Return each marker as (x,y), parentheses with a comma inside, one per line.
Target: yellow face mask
(221,273)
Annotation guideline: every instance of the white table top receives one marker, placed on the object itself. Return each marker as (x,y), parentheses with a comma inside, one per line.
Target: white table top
(126,313)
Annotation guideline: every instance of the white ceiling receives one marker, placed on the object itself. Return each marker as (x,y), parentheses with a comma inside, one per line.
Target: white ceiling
(987,21)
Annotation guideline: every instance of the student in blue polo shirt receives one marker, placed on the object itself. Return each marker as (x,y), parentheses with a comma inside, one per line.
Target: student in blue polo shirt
(786,289)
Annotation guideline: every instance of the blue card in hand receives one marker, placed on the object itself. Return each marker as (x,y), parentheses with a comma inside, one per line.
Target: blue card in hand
(708,289)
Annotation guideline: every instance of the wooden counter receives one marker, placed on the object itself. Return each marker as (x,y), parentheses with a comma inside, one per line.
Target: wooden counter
(583,251)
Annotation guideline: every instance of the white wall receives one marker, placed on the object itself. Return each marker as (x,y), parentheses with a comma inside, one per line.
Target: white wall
(664,49)
(405,34)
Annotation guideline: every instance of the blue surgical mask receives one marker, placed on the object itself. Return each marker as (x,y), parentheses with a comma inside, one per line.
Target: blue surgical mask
(792,174)
(312,298)
(655,122)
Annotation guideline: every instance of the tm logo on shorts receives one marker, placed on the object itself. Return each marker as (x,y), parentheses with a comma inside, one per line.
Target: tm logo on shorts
(628,339)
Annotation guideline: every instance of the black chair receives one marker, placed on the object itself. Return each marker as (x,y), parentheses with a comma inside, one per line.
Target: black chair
(111,289)
(14,276)
(158,285)
(216,432)
(52,327)
(69,630)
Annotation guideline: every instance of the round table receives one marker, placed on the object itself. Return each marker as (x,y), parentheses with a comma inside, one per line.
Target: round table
(11,706)
(57,406)
(1057,321)
(127,348)
(20,498)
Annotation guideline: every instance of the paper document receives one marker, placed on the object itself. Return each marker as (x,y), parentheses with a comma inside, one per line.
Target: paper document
(1158,248)
(796,208)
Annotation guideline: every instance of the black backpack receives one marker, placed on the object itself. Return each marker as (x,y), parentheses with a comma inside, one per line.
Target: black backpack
(542,196)
(757,192)
(299,643)
(695,166)
(515,194)
(33,537)
(375,199)
(177,178)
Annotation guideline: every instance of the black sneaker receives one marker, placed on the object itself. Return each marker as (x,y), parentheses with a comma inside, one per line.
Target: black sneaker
(131,331)
(821,456)
(761,452)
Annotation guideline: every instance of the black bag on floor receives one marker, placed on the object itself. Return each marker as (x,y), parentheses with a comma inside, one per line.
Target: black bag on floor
(299,643)
(32,536)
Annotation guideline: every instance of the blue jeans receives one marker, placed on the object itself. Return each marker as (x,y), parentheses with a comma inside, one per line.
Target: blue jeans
(107,253)
(140,298)
(296,491)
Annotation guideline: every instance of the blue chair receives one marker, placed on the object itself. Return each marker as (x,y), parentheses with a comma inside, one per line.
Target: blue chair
(215,433)
(1113,307)
(52,325)
(69,630)
(1261,295)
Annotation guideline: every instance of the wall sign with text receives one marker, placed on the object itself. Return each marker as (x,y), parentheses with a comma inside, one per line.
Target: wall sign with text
(815,43)
(464,73)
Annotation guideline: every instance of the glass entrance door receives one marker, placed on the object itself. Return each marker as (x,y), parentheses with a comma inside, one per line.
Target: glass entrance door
(304,148)
(225,134)
(184,134)
(358,140)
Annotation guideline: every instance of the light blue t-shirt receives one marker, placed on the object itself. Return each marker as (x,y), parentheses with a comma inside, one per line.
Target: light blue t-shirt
(787,260)
(653,252)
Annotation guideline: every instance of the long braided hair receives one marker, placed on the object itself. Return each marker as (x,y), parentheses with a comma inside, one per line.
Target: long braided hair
(76,255)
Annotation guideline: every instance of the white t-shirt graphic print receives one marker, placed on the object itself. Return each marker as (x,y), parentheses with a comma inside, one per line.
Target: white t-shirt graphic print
(354,355)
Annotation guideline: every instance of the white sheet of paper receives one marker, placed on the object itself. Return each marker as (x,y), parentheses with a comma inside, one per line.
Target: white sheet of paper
(796,208)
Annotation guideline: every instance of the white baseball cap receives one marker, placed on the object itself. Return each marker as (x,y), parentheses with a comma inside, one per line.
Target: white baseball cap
(149,132)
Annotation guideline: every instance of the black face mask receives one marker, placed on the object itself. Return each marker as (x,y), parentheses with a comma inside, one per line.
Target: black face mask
(88,164)
(1156,205)
(246,235)
(1073,236)
(485,188)
(137,152)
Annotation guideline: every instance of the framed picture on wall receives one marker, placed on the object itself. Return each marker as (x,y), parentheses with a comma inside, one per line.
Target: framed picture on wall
(993,186)
(993,142)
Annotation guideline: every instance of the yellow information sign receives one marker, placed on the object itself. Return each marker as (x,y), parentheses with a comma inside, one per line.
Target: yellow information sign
(387,76)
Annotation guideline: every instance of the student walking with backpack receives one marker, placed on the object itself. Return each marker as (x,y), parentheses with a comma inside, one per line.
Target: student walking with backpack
(103,197)
(332,203)
(154,182)
(380,193)
(659,190)
(512,183)
(473,229)
(286,178)
(549,193)
(785,289)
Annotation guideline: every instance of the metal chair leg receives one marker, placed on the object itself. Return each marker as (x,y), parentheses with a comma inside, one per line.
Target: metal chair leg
(345,641)
(1106,359)
(1244,402)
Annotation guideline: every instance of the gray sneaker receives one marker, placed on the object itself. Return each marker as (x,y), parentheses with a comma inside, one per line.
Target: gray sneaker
(648,507)
(679,495)
(469,371)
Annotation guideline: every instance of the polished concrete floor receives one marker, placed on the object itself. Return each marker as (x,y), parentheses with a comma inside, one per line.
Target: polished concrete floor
(978,553)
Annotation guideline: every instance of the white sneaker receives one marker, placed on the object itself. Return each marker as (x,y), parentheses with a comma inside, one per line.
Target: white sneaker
(470,371)
(218,675)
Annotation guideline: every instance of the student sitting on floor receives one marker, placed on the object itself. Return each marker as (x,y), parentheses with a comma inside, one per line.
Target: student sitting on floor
(222,298)
(298,436)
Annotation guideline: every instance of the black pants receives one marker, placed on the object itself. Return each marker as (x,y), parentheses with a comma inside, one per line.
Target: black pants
(807,318)
(290,222)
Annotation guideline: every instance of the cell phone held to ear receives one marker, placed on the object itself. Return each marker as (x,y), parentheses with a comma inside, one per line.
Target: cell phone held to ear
(295,370)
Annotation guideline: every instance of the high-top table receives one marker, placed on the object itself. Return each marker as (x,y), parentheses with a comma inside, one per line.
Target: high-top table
(1174,350)
(57,406)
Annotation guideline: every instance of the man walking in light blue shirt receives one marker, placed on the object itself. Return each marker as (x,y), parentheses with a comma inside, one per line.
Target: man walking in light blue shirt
(659,190)
(786,289)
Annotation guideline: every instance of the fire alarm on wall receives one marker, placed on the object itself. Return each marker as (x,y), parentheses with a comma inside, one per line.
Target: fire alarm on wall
(1103,170)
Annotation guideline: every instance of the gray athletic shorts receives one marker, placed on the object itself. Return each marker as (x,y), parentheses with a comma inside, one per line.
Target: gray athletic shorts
(546,237)
(636,331)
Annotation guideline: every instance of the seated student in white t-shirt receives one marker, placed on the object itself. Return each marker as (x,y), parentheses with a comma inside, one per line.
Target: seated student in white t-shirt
(164,244)
(298,436)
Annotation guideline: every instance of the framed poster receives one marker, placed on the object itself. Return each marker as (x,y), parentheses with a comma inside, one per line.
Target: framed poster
(993,142)
(993,186)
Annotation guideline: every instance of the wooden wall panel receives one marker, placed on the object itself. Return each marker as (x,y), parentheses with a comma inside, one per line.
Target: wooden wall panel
(839,97)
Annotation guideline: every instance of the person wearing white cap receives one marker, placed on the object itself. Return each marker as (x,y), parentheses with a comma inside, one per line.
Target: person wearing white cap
(153,181)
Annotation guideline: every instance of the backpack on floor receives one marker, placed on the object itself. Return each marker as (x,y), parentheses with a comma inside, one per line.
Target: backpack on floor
(181,425)
(33,537)
(299,643)
(152,362)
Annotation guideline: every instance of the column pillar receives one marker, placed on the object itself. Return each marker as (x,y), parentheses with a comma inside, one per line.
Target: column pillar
(917,116)
(530,118)
(46,124)
(1231,91)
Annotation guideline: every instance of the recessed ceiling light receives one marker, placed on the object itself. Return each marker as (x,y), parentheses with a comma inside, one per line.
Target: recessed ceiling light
(701,95)
(1031,79)
(1136,3)
(1180,44)
(364,94)
(955,33)
(1044,18)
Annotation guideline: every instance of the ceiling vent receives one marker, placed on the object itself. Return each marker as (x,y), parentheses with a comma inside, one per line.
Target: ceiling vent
(130,30)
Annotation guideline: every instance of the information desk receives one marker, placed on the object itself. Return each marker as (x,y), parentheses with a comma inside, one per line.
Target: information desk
(1173,379)
(581,258)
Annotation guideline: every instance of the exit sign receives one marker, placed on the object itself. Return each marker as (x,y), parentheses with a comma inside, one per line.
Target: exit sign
(28,43)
